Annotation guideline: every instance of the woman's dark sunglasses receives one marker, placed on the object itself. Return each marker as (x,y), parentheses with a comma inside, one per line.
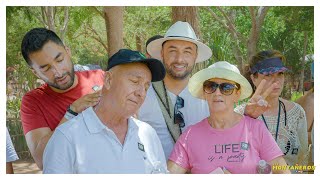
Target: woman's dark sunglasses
(225,88)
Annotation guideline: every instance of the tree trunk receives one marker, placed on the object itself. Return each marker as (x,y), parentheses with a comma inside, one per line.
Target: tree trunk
(113,16)
(189,14)
(257,19)
(303,60)
(140,44)
(50,17)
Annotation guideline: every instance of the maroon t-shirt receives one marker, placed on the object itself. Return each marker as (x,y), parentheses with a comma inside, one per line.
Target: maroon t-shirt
(42,107)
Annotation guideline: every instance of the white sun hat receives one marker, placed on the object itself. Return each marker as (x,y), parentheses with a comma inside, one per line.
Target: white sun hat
(180,31)
(222,70)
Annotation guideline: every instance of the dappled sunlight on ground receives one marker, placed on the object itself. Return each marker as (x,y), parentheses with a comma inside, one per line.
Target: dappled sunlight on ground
(26,167)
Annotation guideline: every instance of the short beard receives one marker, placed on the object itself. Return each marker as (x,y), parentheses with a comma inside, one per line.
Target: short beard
(68,85)
(175,76)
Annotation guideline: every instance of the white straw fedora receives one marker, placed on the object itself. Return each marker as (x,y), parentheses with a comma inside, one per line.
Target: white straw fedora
(223,70)
(180,31)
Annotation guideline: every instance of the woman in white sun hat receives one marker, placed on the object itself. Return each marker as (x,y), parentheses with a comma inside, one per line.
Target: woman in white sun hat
(224,140)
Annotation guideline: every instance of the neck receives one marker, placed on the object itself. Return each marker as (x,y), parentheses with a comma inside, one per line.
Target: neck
(75,83)
(274,106)
(175,85)
(224,120)
(109,117)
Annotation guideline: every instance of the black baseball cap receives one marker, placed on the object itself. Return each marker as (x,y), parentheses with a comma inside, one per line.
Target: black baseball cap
(125,56)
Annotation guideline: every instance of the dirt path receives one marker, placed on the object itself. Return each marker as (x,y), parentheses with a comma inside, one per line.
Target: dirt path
(26,167)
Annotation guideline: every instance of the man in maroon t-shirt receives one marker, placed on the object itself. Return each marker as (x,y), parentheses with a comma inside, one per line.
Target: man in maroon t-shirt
(64,94)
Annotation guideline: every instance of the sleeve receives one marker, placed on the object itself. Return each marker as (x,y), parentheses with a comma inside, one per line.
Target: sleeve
(58,156)
(31,116)
(179,154)
(99,76)
(303,137)
(10,151)
(159,153)
(268,147)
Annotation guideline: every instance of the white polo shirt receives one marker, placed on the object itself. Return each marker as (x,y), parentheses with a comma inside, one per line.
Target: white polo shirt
(85,145)
(194,111)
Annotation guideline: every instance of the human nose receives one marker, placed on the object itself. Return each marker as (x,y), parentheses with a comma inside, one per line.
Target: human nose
(217,91)
(276,78)
(57,71)
(140,91)
(179,57)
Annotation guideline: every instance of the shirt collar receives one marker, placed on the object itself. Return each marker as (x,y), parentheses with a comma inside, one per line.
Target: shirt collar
(95,125)
(92,121)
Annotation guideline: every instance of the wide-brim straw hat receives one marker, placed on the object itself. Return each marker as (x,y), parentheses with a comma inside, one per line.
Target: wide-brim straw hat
(222,70)
(184,32)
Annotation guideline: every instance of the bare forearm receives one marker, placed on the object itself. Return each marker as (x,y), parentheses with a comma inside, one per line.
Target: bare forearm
(279,162)
(9,168)
(175,168)
(37,147)
(38,152)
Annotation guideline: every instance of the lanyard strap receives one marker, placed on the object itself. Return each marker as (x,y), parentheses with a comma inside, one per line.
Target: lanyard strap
(278,121)
(165,104)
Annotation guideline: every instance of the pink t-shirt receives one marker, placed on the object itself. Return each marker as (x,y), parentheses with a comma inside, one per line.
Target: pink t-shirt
(201,148)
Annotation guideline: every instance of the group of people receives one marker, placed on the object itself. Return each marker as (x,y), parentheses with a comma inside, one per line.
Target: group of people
(146,112)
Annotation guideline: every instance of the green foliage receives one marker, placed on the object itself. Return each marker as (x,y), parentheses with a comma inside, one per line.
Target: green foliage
(296,95)
(145,22)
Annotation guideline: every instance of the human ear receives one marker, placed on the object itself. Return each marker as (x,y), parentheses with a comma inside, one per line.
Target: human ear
(107,80)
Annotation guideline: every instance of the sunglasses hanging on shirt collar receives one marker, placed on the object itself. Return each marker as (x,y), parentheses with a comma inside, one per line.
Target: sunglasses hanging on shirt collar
(178,116)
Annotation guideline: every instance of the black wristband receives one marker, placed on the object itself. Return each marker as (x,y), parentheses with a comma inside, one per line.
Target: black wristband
(72,112)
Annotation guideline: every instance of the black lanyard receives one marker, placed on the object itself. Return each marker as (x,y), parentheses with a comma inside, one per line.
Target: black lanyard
(278,121)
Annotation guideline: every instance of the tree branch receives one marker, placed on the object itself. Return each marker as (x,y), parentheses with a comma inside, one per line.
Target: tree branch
(253,17)
(220,21)
(63,28)
(230,27)
(98,38)
(262,12)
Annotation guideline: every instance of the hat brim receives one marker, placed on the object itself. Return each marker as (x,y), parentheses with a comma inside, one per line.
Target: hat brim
(156,67)
(273,71)
(154,48)
(196,81)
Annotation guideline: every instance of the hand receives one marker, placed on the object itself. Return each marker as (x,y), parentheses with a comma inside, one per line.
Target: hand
(225,171)
(86,101)
(257,104)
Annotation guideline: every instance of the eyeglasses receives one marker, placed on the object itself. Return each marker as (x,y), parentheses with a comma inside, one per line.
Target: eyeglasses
(225,88)
(178,116)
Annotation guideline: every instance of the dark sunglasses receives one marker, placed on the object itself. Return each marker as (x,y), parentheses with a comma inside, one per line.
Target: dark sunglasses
(178,116)
(225,88)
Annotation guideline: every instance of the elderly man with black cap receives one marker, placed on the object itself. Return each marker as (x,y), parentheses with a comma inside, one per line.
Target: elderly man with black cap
(169,107)
(106,138)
